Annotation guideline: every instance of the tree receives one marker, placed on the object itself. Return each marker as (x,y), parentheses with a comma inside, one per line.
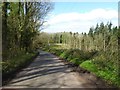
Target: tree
(4,29)
(118,37)
(96,29)
(61,38)
(21,23)
(44,8)
(91,32)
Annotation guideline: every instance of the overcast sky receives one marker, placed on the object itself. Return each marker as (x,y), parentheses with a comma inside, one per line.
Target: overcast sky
(80,16)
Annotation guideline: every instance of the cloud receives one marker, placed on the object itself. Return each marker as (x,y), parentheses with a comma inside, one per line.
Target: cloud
(81,22)
(84,0)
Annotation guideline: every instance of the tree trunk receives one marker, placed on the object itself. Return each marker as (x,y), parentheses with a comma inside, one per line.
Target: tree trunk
(4,30)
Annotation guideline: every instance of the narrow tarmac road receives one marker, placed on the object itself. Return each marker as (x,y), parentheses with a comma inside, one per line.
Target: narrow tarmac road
(48,71)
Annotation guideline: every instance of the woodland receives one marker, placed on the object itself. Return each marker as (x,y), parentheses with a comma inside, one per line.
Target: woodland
(22,22)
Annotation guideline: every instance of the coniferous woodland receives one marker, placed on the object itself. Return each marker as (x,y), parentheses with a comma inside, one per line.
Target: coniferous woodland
(96,51)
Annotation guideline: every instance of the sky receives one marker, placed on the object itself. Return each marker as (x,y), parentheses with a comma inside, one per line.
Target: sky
(80,16)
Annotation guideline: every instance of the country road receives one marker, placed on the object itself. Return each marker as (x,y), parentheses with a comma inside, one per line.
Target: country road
(48,71)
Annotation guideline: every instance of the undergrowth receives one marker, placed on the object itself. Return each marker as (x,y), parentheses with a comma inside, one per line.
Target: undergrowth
(10,67)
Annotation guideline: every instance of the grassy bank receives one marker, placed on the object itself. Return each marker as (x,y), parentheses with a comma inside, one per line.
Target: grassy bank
(107,74)
(92,61)
(12,66)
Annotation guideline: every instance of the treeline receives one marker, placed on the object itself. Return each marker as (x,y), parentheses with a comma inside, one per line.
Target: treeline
(102,37)
(21,22)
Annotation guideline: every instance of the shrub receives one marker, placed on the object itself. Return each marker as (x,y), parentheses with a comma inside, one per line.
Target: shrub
(66,54)
(76,55)
(76,61)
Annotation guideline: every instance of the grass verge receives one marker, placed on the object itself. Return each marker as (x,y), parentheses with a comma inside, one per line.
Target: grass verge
(14,65)
(109,76)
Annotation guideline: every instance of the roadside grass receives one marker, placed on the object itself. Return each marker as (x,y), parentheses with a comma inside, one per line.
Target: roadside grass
(10,67)
(108,75)
(101,68)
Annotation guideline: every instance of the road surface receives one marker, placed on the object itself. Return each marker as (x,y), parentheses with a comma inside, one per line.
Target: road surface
(48,71)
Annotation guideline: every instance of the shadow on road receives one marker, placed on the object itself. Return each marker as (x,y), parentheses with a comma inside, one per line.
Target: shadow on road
(44,64)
